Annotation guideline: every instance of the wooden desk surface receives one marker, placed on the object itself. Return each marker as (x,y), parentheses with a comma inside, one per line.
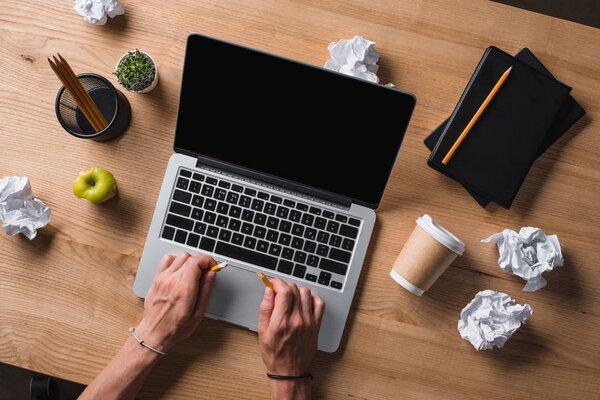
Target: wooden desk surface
(66,298)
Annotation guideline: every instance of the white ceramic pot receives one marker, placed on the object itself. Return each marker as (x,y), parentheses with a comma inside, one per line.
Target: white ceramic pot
(154,82)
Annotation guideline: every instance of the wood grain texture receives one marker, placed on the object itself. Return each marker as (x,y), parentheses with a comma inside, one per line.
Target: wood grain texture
(66,298)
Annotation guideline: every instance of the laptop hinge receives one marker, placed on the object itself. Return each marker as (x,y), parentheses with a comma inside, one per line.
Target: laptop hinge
(272,182)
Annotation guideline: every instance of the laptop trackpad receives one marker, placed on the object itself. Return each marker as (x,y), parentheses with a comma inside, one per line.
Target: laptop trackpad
(236,297)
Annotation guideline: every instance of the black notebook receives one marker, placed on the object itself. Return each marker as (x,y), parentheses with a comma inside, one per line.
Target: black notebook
(569,113)
(496,155)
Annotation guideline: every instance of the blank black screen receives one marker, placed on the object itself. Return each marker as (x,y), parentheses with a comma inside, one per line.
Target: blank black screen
(284,118)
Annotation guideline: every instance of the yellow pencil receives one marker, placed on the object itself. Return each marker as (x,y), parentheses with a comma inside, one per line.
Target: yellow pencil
(476,116)
(219,267)
(265,280)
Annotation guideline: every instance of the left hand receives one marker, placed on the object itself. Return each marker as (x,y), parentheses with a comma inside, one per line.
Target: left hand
(177,300)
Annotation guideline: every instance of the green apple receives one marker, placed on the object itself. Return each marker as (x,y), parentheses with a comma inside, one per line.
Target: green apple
(96,185)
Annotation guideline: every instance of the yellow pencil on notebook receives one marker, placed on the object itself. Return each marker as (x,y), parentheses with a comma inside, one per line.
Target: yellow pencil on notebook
(219,267)
(265,280)
(476,116)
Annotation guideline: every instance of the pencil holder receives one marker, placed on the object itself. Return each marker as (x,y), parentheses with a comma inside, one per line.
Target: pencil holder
(111,102)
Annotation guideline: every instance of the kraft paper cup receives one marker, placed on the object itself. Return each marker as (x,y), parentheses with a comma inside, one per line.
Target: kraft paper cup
(427,253)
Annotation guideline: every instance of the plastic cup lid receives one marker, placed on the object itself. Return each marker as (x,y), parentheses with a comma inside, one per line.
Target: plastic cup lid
(406,284)
(441,234)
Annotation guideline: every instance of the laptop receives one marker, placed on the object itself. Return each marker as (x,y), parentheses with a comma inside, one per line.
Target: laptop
(278,167)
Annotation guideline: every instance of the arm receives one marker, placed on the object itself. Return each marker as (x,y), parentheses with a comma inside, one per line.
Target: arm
(173,309)
(288,331)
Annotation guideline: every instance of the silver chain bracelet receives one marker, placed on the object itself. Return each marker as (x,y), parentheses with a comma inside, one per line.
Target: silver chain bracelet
(141,342)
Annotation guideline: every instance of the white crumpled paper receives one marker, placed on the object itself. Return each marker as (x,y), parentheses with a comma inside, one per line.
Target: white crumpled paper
(528,254)
(96,11)
(491,318)
(356,57)
(19,211)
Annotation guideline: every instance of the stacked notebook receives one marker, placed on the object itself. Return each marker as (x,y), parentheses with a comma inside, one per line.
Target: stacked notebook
(528,113)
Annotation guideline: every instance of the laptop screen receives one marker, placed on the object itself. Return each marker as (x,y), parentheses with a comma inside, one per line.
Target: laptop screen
(284,118)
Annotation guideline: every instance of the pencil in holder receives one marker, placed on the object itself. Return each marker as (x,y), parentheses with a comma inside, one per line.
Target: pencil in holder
(111,102)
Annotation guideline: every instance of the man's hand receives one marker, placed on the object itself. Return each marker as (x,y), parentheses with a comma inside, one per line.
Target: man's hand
(177,300)
(288,331)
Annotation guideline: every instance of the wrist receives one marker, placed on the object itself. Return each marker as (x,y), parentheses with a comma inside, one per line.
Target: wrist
(290,389)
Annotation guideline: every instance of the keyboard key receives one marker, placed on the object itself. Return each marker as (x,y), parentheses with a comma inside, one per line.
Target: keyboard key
(235,224)
(336,285)
(248,215)
(200,228)
(285,226)
(324,278)
(182,183)
(212,231)
(185,172)
(193,240)
(237,239)
(328,214)
(333,266)
(341,218)
(314,210)
(249,242)
(207,190)
(276,199)
(275,249)
(272,235)
(297,243)
(354,221)
(300,257)
(250,192)
(312,261)
(180,236)
(247,228)
(335,240)
(235,212)
(348,244)
(259,232)
(340,255)
(270,208)
(310,233)
(302,207)
(209,217)
(310,246)
(295,215)
(263,195)
(199,177)
(262,245)
(285,267)
(222,208)
(181,209)
(257,205)
(308,219)
(182,196)
(311,277)
(195,186)
(197,201)
(225,235)
(298,230)
(220,194)
(210,205)
(260,219)
(207,244)
(237,188)
(245,201)
(320,223)
(285,239)
(272,222)
(242,254)
(197,214)
(211,180)
(287,253)
(222,221)
(349,231)
(282,212)
(180,222)
(333,226)
(322,250)
(289,203)
(168,232)
(224,184)
(323,237)
(299,271)
(232,197)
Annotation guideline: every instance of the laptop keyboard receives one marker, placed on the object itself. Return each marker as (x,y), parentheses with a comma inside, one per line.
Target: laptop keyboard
(279,234)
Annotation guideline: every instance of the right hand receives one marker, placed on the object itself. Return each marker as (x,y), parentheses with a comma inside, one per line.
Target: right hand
(288,328)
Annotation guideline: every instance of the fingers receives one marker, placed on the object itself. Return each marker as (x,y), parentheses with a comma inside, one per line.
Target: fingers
(318,308)
(192,272)
(297,306)
(206,285)
(266,310)
(165,262)
(307,304)
(178,262)
(284,300)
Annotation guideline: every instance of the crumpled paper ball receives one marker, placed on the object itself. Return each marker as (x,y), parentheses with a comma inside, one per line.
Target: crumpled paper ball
(491,318)
(96,11)
(528,254)
(19,211)
(355,57)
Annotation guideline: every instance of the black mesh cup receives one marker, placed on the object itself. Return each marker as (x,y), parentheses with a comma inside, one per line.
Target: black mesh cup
(111,102)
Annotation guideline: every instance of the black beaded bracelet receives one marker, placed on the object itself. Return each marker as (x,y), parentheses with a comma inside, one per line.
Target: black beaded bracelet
(288,377)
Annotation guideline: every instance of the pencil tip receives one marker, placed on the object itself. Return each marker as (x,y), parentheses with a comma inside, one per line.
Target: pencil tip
(508,70)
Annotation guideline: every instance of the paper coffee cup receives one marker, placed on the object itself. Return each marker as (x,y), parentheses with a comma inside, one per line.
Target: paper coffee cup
(429,250)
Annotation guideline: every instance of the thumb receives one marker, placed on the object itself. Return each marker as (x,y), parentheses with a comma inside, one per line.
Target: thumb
(266,309)
(206,284)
